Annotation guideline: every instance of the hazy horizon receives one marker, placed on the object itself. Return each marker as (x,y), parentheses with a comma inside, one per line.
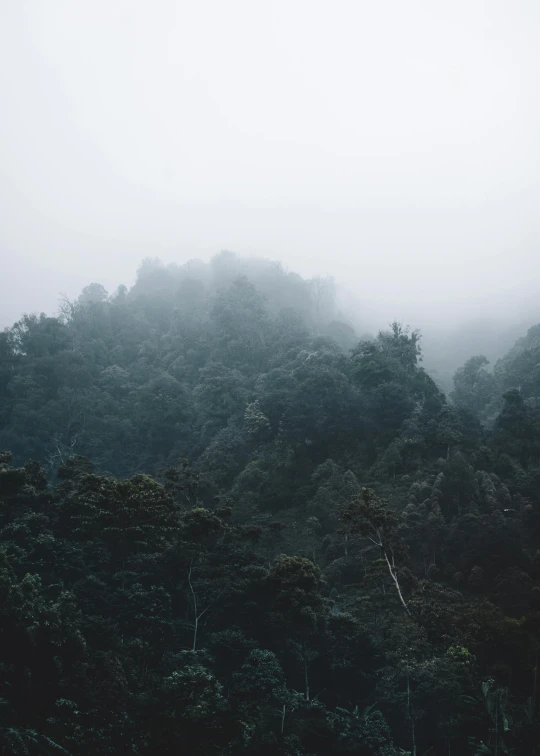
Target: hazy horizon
(392,146)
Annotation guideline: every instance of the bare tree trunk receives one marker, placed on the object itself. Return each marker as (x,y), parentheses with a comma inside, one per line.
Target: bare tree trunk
(496,727)
(196,621)
(283,718)
(196,614)
(306,679)
(413,733)
(535,680)
(396,582)
(378,541)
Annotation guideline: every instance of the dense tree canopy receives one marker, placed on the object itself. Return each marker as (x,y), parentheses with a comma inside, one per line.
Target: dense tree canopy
(228,526)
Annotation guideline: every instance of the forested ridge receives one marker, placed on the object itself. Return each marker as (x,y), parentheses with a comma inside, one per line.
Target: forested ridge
(232,525)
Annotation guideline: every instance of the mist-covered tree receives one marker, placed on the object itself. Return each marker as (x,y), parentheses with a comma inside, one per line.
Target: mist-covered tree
(228,526)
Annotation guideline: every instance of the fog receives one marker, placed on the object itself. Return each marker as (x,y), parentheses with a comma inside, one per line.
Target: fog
(391,145)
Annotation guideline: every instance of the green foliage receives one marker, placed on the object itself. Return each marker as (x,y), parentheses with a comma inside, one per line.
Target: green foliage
(473,385)
(226,527)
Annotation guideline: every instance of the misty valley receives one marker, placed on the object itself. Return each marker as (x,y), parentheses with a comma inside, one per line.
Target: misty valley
(231,522)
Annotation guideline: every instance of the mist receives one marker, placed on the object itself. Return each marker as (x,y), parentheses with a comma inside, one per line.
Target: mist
(392,146)
(269,377)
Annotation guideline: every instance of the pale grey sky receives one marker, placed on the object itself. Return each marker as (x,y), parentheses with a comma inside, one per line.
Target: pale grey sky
(391,143)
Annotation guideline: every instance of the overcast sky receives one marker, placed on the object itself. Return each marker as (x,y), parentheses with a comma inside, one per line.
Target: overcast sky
(391,143)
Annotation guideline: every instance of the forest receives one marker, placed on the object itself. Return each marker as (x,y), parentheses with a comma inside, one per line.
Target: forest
(232,524)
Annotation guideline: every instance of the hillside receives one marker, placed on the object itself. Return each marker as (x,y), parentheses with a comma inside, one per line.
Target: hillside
(232,526)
